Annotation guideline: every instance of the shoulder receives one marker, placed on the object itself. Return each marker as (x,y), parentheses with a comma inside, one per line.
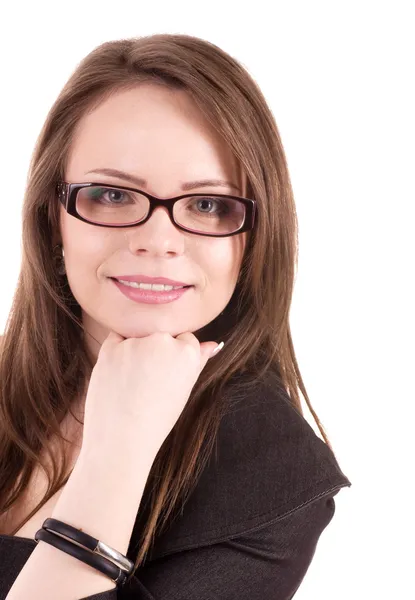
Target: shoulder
(268,452)
(263,432)
(268,462)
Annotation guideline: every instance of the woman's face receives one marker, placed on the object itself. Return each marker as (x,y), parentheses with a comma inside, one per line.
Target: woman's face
(159,135)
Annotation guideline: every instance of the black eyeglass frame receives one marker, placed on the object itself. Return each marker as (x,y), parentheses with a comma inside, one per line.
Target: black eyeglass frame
(67,194)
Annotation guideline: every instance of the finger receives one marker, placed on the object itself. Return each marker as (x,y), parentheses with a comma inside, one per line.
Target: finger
(206,352)
(202,350)
(189,338)
(205,348)
(113,336)
(112,339)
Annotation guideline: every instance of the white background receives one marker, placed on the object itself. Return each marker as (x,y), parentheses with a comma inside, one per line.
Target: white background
(338,77)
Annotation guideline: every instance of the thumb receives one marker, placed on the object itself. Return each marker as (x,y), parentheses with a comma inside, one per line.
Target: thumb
(207,350)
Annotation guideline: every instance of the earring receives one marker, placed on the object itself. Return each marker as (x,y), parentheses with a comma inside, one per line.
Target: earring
(58,258)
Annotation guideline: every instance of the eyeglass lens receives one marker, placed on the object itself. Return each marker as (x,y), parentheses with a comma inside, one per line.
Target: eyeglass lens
(113,206)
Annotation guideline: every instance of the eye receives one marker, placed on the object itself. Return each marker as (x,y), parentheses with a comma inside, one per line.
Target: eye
(109,195)
(208,205)
(114,196)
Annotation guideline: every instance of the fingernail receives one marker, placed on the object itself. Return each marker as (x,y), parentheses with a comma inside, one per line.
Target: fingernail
(218,348)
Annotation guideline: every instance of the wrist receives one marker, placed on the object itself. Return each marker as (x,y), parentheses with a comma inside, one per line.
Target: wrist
(122,456)
(102,496)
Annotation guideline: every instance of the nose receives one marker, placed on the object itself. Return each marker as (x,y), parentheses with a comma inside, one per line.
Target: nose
(158,235)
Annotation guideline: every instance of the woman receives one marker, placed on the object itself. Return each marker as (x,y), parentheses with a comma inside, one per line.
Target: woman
(196,472)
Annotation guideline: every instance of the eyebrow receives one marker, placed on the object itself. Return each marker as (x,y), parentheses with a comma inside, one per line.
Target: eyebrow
(190,185)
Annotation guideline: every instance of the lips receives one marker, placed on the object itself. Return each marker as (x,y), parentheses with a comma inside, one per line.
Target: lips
(150,296)
(153,282)
(146,279)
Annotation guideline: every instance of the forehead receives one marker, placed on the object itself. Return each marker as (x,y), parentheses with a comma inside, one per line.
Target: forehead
(153,131)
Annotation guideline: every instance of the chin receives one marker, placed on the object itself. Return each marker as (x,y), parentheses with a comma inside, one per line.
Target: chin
(141,331)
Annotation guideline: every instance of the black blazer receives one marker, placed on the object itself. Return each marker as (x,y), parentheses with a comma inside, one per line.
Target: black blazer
(250,528)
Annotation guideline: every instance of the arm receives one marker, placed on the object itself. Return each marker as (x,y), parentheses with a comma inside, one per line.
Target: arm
(267,563)
(101,497)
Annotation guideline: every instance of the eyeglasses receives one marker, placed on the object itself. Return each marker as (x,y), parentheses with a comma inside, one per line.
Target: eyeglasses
(215,215)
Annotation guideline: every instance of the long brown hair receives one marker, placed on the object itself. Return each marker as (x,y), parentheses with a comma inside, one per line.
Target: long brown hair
(43,363)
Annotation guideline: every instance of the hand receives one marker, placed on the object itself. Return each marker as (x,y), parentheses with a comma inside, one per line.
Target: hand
(139,387)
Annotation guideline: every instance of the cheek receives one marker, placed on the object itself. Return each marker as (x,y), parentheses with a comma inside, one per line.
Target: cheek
(86,249)
(83,240)
(220,261)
